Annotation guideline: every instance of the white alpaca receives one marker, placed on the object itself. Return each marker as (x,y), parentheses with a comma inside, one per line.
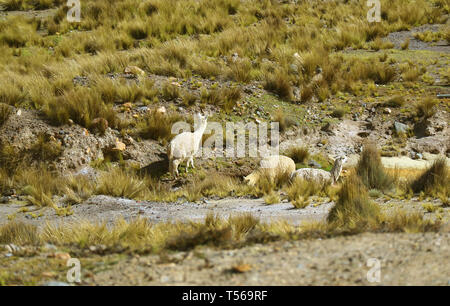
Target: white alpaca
(271,165)
(319,175)
(185,145)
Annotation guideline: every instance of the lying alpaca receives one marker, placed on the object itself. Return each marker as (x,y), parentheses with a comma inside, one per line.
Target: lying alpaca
(271,165)
(319,175)
(185,145)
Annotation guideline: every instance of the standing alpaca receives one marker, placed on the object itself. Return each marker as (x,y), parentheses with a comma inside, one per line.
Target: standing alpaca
(185,145)
(319,175)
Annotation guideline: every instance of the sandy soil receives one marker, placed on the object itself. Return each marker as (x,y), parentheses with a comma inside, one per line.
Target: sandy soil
(405,259)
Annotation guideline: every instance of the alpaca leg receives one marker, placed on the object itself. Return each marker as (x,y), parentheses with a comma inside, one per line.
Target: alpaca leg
(187,163)
(176,163)
(192,162)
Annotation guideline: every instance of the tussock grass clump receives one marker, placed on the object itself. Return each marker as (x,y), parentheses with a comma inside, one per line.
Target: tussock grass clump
(306,94)
(113,91)
(379,44)
(397,101)
(118,182)
(411,74)
(426,107)
(5,113)
(45,149)
(269,181)
(225,98)
(140,236)
(170,92)
(12,93)
(39,185)
(16,5)
(214,231)
(299,191)
(280,84)
(339,112)
(78,189)
(284,121)
(122,234)
(158,126)
(19,233)
(380,73)
(10,158)
(408,222)
(435,180)
(371,170)
(429,36)
(189,98)
(138,30)
(240,71)
(353,208)
(405,44)
(298,154)
(82,106)
(214,184)
(272,198)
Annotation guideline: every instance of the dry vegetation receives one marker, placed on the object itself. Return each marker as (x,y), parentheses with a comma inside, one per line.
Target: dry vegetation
(141,236)
(231,26)
(271,44)
(371,170)
(435,181)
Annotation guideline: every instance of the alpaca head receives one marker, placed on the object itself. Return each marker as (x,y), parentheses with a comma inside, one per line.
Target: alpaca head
(200,121)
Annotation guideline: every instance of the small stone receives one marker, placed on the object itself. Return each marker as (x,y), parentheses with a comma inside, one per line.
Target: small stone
(48,274)
(119,146)
(134,70)
(161,110)
(241,268)
(61,255)
(400,127)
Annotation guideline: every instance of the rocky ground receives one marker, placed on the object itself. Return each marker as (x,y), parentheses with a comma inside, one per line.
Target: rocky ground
(406,259)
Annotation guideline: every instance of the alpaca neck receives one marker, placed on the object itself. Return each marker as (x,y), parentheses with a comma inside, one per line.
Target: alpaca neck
(198,133)
(336,171)
(200,130)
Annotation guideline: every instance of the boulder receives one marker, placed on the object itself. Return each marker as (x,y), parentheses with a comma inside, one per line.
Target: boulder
(400,127)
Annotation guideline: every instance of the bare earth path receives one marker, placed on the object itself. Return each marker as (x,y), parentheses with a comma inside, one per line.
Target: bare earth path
(107,209)
(405,259)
